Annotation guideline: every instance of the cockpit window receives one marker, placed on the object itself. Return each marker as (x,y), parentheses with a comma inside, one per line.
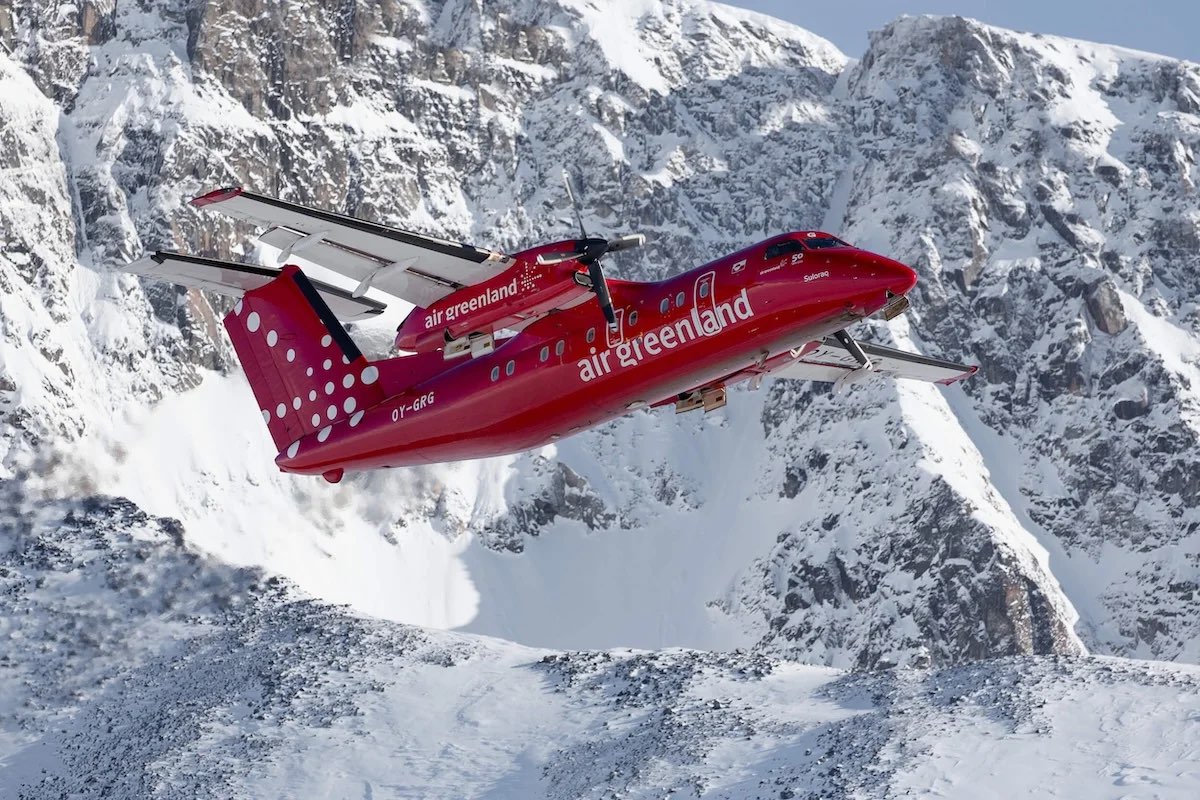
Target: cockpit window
(783,248)
(821,242)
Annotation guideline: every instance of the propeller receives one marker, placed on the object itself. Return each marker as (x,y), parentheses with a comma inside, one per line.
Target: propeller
(588,251)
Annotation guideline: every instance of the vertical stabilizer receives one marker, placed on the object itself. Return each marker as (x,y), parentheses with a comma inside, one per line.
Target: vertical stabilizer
(305,370)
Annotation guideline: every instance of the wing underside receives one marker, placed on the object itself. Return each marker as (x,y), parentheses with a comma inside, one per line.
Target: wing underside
(830,361)
(414,267)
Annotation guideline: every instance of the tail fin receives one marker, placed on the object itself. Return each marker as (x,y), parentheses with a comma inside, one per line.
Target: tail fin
(305,370)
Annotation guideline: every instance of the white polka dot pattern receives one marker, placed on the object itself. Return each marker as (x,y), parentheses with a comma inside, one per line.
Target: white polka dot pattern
(305,383)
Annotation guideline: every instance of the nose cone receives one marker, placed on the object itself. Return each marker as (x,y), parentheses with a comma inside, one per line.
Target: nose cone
(902,278)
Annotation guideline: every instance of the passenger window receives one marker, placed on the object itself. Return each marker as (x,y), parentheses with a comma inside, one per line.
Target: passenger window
(679,298)
(664,305)
(633,318)
(783,248)
(591,335)
(545,353)
(704,289)
(510,368)
(558,348)
(496,373)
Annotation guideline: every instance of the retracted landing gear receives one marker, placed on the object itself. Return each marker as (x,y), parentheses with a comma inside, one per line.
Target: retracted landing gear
(477,344)
(710,399)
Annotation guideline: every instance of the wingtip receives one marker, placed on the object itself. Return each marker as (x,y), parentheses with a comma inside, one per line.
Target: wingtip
(950,381)
(216,196)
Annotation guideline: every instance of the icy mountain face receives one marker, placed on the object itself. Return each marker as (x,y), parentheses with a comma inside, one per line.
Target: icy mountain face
(1043,188)
(134,668)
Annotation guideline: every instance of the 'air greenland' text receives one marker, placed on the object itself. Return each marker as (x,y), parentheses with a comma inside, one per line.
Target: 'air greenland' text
(701,322)
(438,316)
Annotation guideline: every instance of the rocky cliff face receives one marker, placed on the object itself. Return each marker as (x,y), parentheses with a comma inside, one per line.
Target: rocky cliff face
(1044,189)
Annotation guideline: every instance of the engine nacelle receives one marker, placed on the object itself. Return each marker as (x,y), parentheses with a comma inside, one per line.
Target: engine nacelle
(513,298)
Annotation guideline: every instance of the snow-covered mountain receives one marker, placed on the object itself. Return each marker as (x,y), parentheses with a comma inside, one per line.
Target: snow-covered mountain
(1043,188)
(135,668)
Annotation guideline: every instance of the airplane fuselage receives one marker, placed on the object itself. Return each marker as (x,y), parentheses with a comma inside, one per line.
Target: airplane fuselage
(729,320)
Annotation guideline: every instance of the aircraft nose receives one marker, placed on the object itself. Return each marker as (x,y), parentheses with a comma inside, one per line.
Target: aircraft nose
(902,277)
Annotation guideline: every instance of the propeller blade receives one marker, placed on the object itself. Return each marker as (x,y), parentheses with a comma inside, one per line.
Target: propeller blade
(627,242)
(600,287)
(574,204)
(557,258)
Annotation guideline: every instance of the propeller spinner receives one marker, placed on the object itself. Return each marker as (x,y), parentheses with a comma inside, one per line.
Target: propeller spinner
(588,252)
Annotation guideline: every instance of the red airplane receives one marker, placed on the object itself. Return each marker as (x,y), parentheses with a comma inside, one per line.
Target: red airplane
(505,353)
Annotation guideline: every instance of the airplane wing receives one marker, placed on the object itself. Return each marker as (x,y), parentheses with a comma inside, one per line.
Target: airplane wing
(831,362)
(234,280)
(419,269)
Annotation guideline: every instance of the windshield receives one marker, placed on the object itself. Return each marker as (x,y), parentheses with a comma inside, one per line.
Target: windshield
(820,242)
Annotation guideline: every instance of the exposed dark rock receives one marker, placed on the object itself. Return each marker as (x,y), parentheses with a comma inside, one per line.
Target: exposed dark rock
(1104,304)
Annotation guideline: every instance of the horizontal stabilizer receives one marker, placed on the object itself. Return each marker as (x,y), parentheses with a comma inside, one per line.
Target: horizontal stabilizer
(235,280)
(831,361)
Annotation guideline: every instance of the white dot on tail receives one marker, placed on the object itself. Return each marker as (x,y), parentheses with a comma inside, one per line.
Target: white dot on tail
(323,434)
(252,321)
(370,375)
(280,410)
(308,372)
(327,364)
(349,405)
(329,388)
(237,307)
(291,354)
(272,338)
(345,359)
(331,412)
(316,420)
(296,403)
(312,394)
(326,340)
(266,415)
(293,449)
(357,418)
(348,381)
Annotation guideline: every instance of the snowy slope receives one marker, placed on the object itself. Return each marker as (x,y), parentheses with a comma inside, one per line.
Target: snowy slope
(146,671)
(1043,188)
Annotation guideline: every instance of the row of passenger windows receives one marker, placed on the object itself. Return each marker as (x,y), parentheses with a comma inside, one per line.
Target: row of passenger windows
(560,347)
(665,305)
